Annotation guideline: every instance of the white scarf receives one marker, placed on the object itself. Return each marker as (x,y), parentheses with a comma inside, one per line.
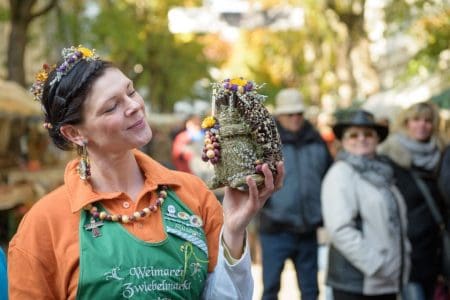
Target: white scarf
(424,155)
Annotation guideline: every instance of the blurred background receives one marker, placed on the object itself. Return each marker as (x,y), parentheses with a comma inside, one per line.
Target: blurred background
(382,55)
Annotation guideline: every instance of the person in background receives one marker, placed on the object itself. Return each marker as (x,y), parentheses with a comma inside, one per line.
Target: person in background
(364,215)
(183,146)
(290,218)
(444,184)
(444,176)
(415,150)
(3,276)
(122,225)
(187,149)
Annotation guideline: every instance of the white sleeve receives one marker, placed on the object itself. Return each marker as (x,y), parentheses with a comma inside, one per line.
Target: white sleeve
(230,281)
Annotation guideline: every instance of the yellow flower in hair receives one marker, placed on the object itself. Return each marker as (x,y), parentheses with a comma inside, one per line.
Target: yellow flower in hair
(239,81)
(85,51)
(208,122)
(42,75)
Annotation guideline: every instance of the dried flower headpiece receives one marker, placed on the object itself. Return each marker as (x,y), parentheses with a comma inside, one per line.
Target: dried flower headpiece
(40,78)
(71,56)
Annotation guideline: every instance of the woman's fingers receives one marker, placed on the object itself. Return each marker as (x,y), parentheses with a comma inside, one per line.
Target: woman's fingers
(279,179)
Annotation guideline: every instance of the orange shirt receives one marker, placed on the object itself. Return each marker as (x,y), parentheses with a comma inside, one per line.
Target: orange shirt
(43,257)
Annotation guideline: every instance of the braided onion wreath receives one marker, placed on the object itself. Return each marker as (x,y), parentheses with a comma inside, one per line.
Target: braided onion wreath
(241,135)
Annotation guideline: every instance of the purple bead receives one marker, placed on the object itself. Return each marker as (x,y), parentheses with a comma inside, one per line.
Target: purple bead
(204,157)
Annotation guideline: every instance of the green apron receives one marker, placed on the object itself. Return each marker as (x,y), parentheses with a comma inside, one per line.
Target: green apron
(117,265)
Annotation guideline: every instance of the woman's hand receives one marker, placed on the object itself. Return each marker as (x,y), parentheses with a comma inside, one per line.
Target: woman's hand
(241,206)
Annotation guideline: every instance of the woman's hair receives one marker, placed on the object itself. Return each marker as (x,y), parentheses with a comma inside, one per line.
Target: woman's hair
(62,100)
(426,110)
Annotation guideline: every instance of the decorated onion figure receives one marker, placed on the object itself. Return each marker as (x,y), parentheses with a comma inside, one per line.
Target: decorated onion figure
(240,135)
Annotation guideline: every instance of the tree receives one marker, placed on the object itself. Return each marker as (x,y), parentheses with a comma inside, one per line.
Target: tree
(135,36)
(429,23)
(22,14)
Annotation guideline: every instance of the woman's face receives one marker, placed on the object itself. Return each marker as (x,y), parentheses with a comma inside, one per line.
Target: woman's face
(419,128)
(114,115)
(360,141)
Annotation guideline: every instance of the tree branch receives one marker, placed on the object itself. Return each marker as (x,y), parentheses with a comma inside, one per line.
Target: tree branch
(44,10)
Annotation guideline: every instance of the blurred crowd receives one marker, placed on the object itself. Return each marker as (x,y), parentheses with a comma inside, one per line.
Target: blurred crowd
(374,193)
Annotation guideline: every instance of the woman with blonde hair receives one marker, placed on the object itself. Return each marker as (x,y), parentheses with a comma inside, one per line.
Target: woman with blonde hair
(416,140)
(415,150)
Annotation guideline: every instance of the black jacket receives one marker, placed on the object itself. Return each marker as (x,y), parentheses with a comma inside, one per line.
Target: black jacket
(423,232)
(296,207)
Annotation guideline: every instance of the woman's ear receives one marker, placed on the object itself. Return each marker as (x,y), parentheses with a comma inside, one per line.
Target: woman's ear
(73,134)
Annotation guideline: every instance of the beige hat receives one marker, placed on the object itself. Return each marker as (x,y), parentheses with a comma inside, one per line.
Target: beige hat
(289,101)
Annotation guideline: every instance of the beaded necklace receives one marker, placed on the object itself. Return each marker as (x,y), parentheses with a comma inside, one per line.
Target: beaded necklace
(147,211)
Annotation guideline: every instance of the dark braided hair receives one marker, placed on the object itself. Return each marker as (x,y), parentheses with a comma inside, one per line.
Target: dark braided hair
(63,101)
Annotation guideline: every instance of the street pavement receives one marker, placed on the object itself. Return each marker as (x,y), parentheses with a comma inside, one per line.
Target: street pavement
(289,287)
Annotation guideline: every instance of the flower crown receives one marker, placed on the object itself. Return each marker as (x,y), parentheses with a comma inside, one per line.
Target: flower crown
(71,57)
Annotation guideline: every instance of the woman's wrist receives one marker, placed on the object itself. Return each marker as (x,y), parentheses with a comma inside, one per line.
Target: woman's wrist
(234,242)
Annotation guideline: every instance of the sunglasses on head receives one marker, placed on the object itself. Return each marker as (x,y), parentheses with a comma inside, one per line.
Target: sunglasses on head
(366,133)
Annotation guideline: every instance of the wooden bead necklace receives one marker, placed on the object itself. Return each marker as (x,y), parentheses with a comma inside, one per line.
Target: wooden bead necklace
(147,211)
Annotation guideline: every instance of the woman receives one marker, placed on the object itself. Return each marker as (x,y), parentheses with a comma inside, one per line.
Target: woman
(364,216)
(122,225)
(416,151)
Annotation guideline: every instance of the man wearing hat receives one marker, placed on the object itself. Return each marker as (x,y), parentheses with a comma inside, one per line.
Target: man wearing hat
(290,218)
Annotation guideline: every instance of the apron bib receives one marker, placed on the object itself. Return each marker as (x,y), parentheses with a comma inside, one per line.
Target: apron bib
(117,265)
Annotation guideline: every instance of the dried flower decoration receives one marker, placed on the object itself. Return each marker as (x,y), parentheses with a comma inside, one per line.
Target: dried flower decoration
(208,122)
(40,78)
(238,85)
(241,134)
(71,56)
